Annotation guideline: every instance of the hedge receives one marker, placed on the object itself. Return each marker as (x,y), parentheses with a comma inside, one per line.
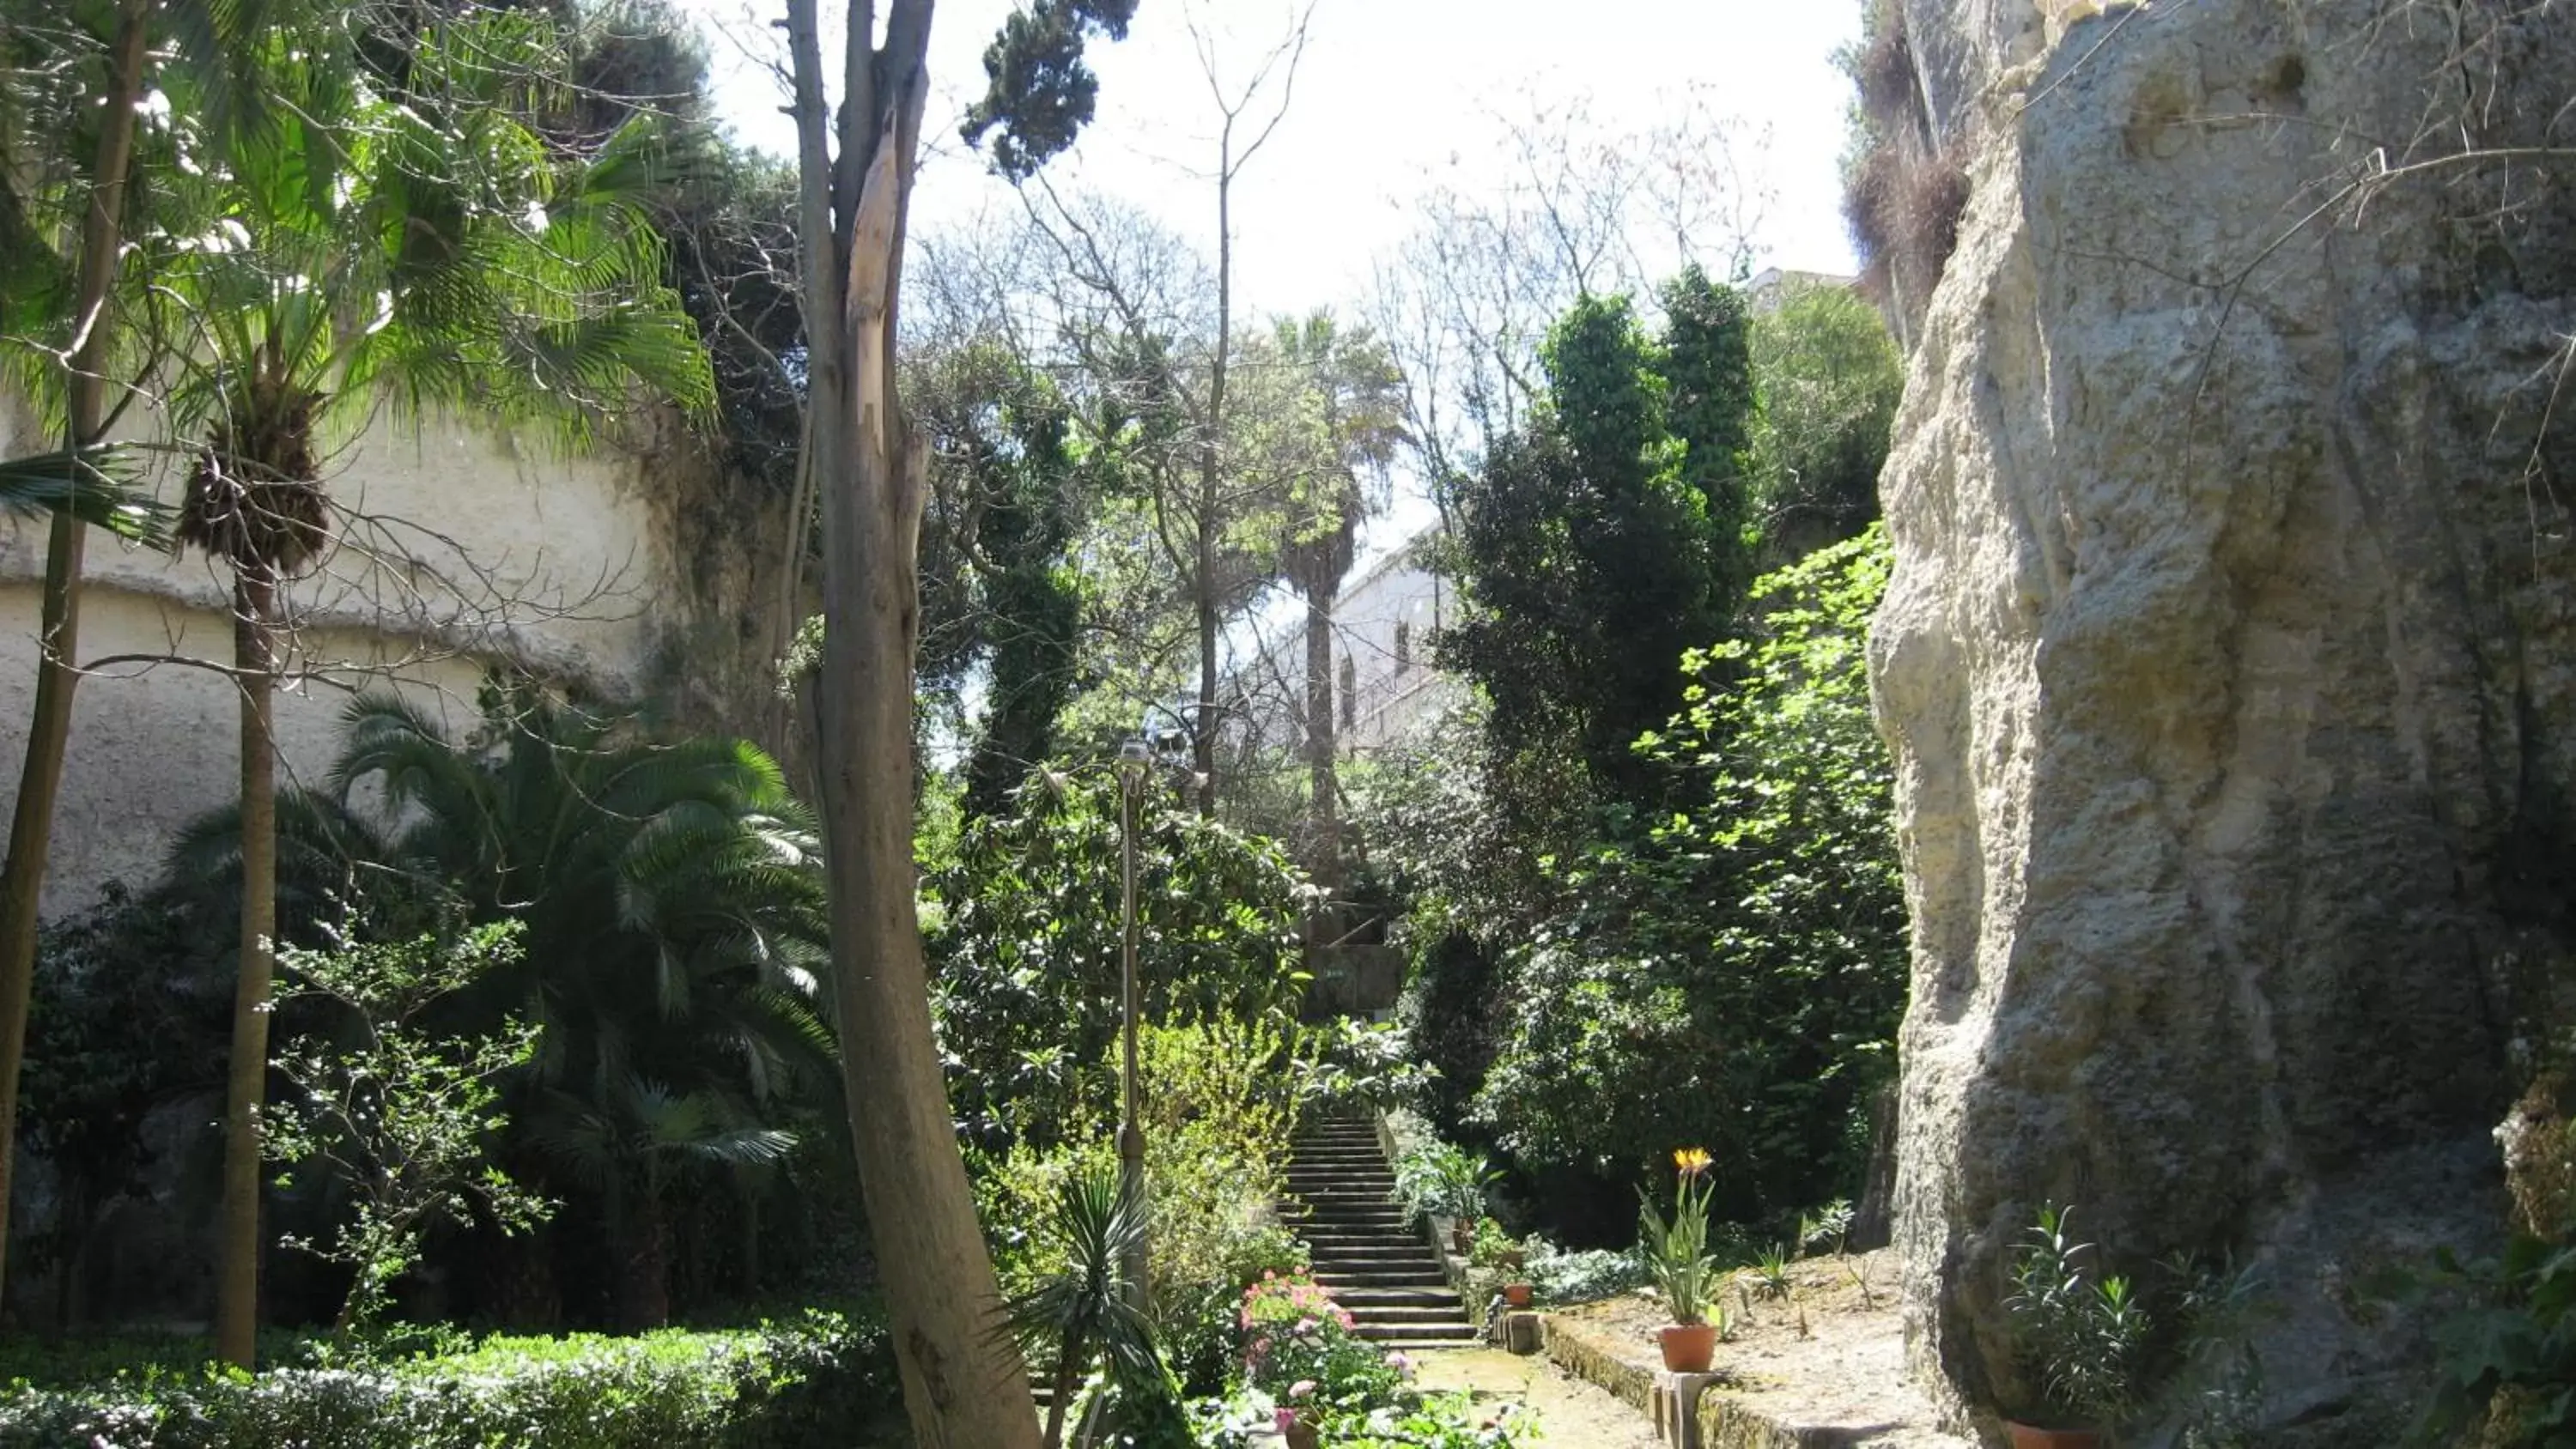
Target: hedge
(822,1379)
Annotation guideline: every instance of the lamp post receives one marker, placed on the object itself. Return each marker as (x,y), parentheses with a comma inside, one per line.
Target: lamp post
(1134,762)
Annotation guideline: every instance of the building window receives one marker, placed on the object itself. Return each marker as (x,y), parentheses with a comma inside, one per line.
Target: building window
(1403,648)
(1350,693)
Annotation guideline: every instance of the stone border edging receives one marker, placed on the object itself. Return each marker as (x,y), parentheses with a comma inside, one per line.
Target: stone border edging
(1724,1422)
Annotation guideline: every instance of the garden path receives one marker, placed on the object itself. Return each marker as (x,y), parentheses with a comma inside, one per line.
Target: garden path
(1570,1413)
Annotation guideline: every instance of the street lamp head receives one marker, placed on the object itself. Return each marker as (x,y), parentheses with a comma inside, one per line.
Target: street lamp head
(1134,758)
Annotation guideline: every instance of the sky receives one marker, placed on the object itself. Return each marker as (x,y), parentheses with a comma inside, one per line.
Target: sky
(1392,97)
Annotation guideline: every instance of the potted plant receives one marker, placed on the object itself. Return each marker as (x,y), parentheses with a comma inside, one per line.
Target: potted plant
(1677,1256)
(1494,1248)
(1516,1294)
(2077,1334)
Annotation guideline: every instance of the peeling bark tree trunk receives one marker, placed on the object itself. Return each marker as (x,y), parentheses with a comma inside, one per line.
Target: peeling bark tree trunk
(964,1387)
(49,731)
(246,1080)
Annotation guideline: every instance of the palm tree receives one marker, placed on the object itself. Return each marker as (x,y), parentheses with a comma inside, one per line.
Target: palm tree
(423,247)
(672,902)
(1353,400)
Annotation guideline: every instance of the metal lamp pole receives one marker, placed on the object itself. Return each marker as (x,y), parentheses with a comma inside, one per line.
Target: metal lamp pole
(1133,762)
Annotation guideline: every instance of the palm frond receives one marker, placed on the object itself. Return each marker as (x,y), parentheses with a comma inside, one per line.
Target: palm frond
(94,484)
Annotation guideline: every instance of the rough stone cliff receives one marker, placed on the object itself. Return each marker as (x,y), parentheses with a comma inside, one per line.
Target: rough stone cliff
(2230,660)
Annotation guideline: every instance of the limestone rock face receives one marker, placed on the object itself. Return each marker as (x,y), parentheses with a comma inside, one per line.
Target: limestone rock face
(2230,659)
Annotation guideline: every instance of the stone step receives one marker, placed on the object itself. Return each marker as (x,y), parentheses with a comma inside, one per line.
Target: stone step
(1451,1333)
(1381,1278)
(1372,1252)
(1355,1299)
(1431,1313)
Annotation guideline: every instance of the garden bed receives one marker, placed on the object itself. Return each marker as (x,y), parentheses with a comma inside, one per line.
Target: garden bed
(1839,1382)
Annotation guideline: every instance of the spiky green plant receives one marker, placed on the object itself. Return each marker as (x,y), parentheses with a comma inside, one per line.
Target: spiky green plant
(1088,1311)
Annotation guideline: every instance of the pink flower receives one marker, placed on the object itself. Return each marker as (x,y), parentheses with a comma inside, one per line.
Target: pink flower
(1283,1419)
(1301,1388)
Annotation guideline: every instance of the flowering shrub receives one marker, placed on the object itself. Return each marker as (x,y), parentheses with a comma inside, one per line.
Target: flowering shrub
(1299,1347)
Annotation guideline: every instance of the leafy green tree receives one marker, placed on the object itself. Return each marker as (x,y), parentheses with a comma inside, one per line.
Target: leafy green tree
(417,244)
(1347,432)
(134,1022)
(1598,545)
(402,1115)
(1828,377)
(856,163)
(1029,931)
(1734,979)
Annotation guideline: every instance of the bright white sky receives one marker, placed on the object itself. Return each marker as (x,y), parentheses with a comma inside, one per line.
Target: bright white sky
(1394,96)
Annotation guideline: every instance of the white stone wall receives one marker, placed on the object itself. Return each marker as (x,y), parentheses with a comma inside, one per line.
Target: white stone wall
(461,548)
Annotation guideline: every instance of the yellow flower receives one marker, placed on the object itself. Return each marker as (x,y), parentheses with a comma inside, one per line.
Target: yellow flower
(1691,1160)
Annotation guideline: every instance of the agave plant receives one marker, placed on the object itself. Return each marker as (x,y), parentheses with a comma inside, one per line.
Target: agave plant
(1089,1310)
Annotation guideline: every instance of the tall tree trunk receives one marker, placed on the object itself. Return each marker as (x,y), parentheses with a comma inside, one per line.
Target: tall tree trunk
(40,778)
(246,1081)
(1203,735)
(964,1387)
(1203,725)
(1325,861)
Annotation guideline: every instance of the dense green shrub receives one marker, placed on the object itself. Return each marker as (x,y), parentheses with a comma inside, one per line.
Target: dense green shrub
(816,1380)
(1733,978)
(1025,934)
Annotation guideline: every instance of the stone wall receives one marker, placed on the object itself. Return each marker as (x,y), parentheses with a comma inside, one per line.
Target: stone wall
(2230,659)
(629,574)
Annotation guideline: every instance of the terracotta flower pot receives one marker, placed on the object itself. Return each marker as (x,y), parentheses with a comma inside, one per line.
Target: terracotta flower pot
(1516,1295)
(1300,1434)
(2031,1436)
(1687,1347)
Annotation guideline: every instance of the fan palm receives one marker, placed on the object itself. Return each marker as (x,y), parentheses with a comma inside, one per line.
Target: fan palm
(674,928)
(88,483)
(420,248)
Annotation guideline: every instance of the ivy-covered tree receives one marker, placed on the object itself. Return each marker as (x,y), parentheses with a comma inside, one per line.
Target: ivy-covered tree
(1000,592)
(1598,545)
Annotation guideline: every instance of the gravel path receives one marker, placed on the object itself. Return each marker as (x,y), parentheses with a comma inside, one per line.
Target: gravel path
(1571,1413)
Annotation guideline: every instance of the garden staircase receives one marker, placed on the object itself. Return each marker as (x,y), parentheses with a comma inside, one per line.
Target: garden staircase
(1366,1251)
